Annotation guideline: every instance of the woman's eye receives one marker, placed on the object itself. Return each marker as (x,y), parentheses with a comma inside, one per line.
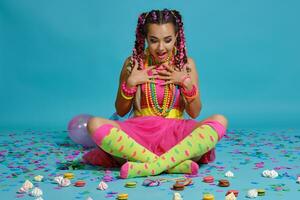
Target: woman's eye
(166,41)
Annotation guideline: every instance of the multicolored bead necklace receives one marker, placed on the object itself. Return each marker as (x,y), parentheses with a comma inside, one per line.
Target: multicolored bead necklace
(170,93)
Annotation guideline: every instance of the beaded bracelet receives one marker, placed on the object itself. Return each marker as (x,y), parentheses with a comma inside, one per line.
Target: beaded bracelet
(128,91)
(192,97)
(190,94)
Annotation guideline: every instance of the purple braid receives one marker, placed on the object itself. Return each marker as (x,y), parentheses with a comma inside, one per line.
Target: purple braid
(153,15)
(166,14)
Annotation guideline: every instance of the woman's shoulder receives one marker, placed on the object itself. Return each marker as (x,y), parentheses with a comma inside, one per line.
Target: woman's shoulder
(190,61)
(191,64)
(127,61)
(124,71)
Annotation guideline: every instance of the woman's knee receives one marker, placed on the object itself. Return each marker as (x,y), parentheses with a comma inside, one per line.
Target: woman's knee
(221,119)
(95,122)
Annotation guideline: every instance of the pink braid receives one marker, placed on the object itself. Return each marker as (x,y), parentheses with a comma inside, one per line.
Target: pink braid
(181,55)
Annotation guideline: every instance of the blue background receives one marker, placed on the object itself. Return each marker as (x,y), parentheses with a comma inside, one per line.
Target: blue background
(62,58)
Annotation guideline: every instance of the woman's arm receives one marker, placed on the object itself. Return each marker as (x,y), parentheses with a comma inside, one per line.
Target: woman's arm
(132,80)
(123,105)
(192,107)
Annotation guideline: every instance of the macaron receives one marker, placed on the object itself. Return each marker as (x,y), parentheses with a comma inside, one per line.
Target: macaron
(69,175)
(223,183)
(261,192)
(107,178)
(130,184)
(208,197)
(79,183)
(122,196)
(208,179)
(178,186)
(185,182)
(235,192)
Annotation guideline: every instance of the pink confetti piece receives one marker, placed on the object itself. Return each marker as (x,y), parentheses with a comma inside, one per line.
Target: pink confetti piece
(20,195)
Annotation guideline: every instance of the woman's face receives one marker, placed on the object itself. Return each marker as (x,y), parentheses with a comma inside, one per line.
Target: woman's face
(161,40)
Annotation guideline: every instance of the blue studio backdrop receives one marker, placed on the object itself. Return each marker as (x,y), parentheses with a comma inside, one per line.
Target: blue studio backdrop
(62,58)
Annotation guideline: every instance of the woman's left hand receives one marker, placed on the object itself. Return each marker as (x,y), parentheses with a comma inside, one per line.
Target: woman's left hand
(172,76)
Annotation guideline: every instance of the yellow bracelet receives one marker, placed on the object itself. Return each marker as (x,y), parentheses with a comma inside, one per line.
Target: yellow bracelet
(126,97)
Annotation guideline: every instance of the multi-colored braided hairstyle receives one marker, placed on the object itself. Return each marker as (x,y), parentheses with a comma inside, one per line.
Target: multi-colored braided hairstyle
(157,17)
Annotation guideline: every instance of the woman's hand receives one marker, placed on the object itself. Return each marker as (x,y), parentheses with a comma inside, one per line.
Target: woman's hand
(180,78)
(138,77)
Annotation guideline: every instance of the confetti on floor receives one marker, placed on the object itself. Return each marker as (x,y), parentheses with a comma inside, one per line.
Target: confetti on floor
(246,153)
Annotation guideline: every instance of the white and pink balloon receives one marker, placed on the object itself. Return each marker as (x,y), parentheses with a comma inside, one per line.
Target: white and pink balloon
(78,132)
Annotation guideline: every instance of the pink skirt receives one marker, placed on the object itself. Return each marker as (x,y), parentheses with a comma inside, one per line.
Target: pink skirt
(157,134)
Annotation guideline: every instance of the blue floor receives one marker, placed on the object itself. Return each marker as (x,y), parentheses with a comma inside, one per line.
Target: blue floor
(25,154)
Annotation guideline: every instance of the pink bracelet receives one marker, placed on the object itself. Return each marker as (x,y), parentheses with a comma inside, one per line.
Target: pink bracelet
(189,93)
(128,91)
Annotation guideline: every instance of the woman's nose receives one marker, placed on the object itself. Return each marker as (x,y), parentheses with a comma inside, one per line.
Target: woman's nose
(161,46)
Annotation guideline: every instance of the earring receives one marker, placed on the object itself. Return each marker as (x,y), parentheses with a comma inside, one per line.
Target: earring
(175,50)
(168,59)
(146,51)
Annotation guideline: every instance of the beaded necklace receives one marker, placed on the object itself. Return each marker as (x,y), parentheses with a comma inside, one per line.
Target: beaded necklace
(169,99)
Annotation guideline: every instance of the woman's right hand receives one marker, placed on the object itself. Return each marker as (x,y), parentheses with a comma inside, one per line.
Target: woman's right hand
(138,77)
